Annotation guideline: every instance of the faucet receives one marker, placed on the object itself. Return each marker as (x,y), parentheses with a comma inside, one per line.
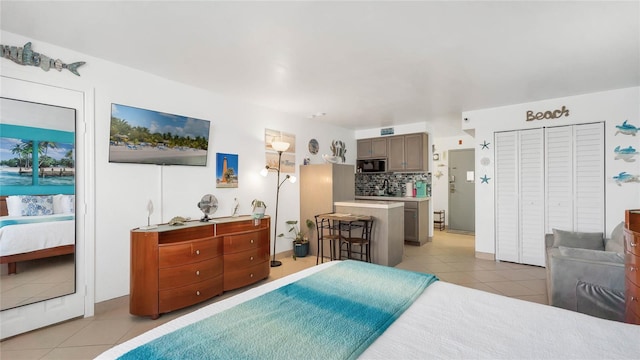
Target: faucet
(385,186)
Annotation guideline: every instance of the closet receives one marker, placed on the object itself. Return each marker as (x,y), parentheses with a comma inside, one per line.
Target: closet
(546,178)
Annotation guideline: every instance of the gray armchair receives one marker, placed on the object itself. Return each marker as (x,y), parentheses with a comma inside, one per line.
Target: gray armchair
(585,272)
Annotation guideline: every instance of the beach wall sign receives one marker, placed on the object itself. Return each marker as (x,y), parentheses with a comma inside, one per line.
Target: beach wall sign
(549,114)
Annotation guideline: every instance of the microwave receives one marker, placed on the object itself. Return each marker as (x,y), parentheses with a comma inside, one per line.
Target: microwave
(371,166)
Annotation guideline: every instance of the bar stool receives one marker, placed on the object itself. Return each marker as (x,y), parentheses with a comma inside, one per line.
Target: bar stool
(325,231)
(356,233)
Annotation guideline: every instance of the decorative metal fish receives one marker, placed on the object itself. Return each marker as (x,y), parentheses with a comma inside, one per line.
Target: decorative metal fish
(625,154)
(625,177)
(25,56)
(626,129)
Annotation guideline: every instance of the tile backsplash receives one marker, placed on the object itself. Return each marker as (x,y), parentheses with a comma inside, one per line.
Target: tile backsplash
(369,184)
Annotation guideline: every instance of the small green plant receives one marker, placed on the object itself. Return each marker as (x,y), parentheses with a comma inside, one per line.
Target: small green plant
(258,203)
(296,234)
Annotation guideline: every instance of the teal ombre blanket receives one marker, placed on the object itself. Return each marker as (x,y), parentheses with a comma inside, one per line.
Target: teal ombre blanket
(333,314)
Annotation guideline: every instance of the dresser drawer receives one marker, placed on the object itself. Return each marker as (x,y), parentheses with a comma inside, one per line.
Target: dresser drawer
(631,242)
(192,251)
(245,259)
(632,268)
(244,277)
(632,297)
(190,273)
(177,298)
(242,242)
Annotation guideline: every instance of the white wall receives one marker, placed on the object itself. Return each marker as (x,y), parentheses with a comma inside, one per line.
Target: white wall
(123,190)
(612,107)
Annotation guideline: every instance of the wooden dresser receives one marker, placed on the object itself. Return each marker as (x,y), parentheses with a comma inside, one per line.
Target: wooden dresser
(632,266)
(177,266)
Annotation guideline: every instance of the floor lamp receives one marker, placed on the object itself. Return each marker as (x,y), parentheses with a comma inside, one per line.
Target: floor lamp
(280,147)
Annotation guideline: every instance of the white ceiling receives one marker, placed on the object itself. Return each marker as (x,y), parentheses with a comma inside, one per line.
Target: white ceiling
(365,64)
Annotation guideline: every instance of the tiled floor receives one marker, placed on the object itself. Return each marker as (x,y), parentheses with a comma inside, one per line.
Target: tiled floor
(36,280)
(449,256)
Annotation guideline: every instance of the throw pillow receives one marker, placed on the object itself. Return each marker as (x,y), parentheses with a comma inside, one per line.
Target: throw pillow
(37,205)
(63,204)
(574,239)
(616,242)
(14,205)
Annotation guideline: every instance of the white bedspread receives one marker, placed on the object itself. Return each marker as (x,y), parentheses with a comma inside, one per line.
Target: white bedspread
(22,238)
(450,321)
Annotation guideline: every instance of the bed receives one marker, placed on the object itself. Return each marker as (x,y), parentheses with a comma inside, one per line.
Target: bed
(24,238)
(444,321)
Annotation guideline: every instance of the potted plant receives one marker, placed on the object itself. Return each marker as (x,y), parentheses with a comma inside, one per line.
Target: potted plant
(299,237)
(258,208)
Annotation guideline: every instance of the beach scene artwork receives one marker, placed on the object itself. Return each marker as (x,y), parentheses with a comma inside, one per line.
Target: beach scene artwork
(151,137)
(226,170)
(55,161)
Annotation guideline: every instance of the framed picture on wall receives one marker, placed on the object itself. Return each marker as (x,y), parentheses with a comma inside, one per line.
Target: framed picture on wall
(226,170)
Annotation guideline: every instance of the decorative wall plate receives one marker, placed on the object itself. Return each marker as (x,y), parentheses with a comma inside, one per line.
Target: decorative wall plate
(313,146)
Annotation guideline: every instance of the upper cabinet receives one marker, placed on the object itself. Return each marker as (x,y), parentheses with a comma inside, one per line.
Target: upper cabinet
(407,152)
(372,148)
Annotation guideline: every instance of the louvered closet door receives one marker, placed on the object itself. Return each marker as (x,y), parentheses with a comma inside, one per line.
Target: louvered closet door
(531,184)
(575,178)
(589,177)
(559,174)
(506,192)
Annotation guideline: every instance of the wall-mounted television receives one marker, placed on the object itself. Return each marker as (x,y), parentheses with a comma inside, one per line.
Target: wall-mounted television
(143,136)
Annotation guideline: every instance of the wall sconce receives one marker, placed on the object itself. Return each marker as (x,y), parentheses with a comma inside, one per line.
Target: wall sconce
(280,147)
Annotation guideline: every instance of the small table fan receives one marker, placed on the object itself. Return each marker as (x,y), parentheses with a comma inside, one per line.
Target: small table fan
(208,205)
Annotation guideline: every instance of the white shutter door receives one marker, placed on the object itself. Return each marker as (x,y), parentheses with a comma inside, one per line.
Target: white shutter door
(531,180)
(588,212)
(506,192)
(559,178)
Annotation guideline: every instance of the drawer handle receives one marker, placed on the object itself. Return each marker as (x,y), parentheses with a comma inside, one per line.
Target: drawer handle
(251,258)
(633,242)
(198,272)
(251,241)
(197,252)
(251,275)
(198,292)
(633,298)
(632,268)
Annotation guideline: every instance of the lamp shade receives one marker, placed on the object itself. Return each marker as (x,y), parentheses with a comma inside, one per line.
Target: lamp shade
(264,171)
(292,179)
(280,145)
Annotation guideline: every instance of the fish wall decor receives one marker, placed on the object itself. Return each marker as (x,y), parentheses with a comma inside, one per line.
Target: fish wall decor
(25,56)
(625,177)
(626,129)
(625,154)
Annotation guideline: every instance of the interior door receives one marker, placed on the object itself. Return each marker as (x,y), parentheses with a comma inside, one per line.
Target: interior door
(49,311)
(462,196)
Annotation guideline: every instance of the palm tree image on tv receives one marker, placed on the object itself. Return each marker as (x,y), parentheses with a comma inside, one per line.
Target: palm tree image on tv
(152,137)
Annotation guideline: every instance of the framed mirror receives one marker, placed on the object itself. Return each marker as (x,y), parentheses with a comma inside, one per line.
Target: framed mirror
(37,202)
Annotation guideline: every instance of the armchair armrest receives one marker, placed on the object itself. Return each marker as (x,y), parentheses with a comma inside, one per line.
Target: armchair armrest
(568,266)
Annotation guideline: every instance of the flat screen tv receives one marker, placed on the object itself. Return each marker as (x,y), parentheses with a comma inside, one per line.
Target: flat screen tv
(143,136)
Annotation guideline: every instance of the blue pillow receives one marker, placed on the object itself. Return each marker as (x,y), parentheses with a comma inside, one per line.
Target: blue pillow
(34,205)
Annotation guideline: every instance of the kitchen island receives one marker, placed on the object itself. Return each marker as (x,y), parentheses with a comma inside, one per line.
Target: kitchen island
(387,243)
(417,225)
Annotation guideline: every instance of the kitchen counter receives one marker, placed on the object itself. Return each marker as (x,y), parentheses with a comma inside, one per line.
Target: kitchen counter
(387,244)
(378,204)
(393,198)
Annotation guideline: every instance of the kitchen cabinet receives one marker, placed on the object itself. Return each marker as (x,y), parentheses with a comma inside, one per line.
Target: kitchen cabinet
(408,152)
(373,148)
